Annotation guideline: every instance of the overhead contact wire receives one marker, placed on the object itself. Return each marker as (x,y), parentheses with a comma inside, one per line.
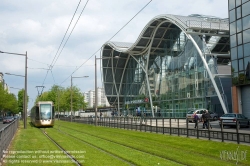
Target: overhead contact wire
(108,40)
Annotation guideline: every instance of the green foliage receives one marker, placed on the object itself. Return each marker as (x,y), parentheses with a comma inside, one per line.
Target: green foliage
(8,101)
(20,100)
(62,98)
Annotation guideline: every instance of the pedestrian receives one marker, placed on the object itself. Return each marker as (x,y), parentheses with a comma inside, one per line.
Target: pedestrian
(100,115)
(205,117)
(208,117)
(196,119)
(203,120)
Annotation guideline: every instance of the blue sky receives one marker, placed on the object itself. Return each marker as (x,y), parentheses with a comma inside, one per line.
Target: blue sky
(38,27)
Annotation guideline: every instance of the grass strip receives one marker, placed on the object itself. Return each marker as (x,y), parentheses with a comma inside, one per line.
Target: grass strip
(90,155)
(129,154)
(30,147)
(185,150)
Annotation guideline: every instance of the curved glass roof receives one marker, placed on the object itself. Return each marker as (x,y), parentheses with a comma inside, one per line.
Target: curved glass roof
(162,30)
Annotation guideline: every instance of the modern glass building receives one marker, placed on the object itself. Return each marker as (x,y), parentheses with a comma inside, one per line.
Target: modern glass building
(177,63)
(239,18)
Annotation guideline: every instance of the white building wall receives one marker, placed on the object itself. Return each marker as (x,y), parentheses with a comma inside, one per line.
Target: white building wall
(99,96)
(90,98)
(1,77)
(5,86)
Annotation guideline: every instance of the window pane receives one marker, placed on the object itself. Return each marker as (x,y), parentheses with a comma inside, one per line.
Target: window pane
(232,28)
(247,67)
(246,22)
(239,38)
(238,2)
(247,49)
(246,36)
(240,51)
(241,65)
(232,15)
(45,111)
(234,53)
(243,1)
(233,40)
(231,4)
(245,9)
(247,63)
(235,78)
(239,26)
(235,66)
(238,10)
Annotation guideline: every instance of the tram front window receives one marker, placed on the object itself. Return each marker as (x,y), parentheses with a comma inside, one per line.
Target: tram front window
(45,111)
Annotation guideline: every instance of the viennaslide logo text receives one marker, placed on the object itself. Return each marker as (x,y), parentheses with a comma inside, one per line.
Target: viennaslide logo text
(235,155)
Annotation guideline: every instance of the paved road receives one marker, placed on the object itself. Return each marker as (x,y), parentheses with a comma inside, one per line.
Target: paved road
(174,123)
(182,124)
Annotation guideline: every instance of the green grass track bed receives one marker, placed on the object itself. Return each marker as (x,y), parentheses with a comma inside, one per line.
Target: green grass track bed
(103,146)
(186,151)
(31,147)
(132,156)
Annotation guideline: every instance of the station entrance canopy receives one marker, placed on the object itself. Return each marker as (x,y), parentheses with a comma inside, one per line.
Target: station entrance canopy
(175,63)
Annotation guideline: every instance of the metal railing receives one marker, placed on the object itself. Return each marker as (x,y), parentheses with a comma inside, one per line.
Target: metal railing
(207,25)
(172,126)
(6,135)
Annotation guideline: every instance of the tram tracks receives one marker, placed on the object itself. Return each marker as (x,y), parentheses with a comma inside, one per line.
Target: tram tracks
(89,144)
(120,144)
(73,159)
(212,157)
(92,140)
(100,149)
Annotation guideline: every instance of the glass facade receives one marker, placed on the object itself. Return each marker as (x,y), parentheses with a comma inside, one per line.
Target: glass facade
(240,40)
(165,73)
(177,79)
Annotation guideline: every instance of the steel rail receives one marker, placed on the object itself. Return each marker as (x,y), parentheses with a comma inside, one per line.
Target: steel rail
(62,149)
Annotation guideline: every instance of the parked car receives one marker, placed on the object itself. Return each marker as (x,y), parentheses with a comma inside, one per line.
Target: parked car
(1,118)
(213,115)
(191,112)
(8,119)
(230,119)
(199,112)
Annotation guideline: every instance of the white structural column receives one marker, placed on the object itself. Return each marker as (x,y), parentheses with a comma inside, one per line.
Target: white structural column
(149,92)
(120,86)
(146,70)
(114,82)
(209,73)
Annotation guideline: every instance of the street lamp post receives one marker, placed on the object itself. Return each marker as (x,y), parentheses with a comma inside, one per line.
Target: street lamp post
(71,108)
(96,98)
(95,92)
(25,86)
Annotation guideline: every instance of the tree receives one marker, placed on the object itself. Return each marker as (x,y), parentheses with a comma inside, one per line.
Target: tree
(77,99)
(54,95)
(61,98)
(20,100)
(8,101)
(12,104)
